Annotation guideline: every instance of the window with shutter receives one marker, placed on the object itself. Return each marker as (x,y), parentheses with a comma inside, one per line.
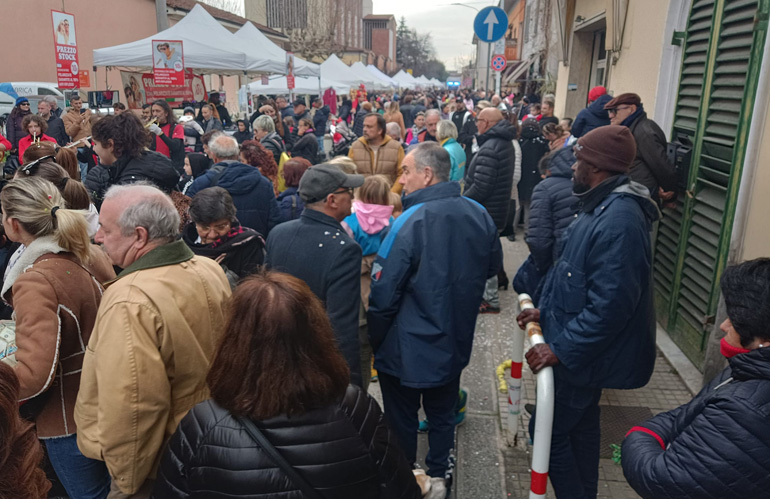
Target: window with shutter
(722,56)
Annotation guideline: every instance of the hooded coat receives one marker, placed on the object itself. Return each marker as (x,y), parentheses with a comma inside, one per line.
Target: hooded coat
(533,148)
(490,174)
(597,310)
(252,193)
(716,446)
(591,117)
(306,147)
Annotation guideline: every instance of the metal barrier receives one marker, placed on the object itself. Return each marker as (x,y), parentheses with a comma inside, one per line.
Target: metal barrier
(541,448)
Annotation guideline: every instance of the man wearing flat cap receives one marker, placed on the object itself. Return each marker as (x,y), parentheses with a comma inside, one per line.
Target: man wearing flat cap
(596,308)
(316,249)
(651,166)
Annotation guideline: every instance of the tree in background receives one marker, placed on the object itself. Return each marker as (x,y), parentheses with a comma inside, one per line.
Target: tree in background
(415,51)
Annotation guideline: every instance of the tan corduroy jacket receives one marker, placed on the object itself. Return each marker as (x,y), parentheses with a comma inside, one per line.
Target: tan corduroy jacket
(146,362)
(389,158)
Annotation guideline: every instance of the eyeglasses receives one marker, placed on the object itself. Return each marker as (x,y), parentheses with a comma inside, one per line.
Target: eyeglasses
(615,110)
(26,169)
(221,227)
(343,191)
(24,104)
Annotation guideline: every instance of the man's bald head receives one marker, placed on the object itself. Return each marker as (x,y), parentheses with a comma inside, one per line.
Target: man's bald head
(488,118)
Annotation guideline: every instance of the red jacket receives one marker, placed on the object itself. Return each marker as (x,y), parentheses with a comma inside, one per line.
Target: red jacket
(25,142)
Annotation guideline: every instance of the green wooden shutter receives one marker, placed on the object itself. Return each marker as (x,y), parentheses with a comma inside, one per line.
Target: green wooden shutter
(722,56)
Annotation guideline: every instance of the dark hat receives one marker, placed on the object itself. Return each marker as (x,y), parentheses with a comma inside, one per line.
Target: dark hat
(321,180)
(459,99)
(624,100)
(21,100)
(188,109)
(300,102)
(611,148)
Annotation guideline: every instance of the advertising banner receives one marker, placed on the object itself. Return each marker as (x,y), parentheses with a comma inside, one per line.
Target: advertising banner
(290,70)
(142,88)
(168,62)
(66,49)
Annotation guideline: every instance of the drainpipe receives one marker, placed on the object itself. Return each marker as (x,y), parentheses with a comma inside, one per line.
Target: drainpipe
(161,17)
(714,362)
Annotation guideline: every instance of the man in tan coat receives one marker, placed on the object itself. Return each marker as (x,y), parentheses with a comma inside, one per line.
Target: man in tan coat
(155,334)
(77,124)
(376,153)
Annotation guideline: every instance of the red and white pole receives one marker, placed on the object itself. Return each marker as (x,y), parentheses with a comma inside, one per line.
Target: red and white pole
(514,384)
(541,447)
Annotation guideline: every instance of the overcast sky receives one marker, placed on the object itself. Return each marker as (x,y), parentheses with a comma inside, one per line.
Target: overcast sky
(450,26)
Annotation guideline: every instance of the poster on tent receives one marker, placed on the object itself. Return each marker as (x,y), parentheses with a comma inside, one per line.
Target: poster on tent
(290,70)
(66,49)
(168,62)
(141,88)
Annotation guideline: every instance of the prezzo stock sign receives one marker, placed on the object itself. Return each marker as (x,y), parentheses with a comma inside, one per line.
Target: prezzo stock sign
(66,49)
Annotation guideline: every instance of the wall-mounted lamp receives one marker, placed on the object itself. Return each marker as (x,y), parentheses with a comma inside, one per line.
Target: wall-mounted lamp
(579,19)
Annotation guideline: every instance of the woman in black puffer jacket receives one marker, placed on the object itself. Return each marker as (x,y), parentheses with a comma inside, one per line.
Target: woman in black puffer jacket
(278,366)
(533,148)
(306,145)
(718,444)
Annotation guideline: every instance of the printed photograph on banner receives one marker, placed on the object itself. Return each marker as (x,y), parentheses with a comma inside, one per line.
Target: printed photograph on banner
(64,28)
(133,89)
(168,55)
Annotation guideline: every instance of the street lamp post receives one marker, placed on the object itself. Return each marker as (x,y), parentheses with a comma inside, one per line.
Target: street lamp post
(489,48)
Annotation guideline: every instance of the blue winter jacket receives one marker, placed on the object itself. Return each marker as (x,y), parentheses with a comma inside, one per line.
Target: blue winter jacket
(457,156)
(716,446)
(597,308)
(252,194)
(552,210)
(427,283)
(290,203)
(591,117)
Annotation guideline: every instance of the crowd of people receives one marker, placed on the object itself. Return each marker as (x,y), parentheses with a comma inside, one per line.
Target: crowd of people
(200,303)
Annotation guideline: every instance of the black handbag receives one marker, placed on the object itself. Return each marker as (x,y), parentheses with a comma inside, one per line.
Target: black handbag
(277,458)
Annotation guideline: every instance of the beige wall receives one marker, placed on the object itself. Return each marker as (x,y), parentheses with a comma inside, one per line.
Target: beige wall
(638,66)
(756,241)
(28,33)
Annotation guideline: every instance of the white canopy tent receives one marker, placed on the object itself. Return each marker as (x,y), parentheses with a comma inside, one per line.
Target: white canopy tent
(260,45)
(208,47)
(382,76)
(422,80)
(334,69)
(405,80)
(436,83)
(302,85)
(367,78)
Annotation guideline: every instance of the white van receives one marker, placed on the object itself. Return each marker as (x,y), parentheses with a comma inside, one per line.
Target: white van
(26,89)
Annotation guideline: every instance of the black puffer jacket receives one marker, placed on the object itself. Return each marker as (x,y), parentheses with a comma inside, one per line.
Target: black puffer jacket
(716,446)
(358,122)
(533,148)
(553,208)
(149,165)
(490,175)
(345,451)
(306,147)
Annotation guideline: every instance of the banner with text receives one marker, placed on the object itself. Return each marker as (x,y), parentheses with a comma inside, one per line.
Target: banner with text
(142,88)
(168,62)
(66,47)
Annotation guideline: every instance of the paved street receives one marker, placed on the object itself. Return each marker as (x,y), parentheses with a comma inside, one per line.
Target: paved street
(487,467)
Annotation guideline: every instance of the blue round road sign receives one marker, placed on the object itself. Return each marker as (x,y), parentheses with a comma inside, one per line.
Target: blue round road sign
(490,24)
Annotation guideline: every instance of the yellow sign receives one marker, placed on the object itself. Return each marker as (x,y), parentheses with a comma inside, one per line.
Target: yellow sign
(409,71)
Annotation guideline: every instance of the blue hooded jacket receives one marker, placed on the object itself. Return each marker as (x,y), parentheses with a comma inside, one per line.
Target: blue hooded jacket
(591,117)
(252,194)
(597,310)
(427,283)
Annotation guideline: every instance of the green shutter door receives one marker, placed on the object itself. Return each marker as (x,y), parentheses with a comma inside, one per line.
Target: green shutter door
(722,56)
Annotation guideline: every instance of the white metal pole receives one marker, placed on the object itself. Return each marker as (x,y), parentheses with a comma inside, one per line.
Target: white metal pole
(514,384)
(541,448)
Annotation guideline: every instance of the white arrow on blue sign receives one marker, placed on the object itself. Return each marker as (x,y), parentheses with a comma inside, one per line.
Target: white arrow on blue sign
(490,24)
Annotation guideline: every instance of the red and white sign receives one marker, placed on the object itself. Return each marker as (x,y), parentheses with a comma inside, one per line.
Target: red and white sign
(498,62)
(168,62)
(290,82)
(66,47)
(85,78)
(290,70)
(142,88)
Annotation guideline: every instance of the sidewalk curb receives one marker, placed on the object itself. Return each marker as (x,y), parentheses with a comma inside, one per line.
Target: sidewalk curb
(691,376)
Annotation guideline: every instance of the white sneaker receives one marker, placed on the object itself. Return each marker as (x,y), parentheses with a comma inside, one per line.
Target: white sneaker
(437,489)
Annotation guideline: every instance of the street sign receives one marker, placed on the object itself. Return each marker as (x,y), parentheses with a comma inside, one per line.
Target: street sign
(498,62)
(290,82)
(490,24)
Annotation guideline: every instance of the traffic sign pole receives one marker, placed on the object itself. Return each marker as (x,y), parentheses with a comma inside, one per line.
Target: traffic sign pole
(490,25)
(489,64)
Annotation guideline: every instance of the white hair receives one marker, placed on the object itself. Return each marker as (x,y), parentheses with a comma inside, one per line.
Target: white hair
(146,206)
(446,130)
(265,123)
(224,147)
(432,112)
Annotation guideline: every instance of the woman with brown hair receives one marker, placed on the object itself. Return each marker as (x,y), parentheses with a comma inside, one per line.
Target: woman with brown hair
(289,201)
(65,157)
(394,116)
(35,126)
(255,154)
(277,373)
(20,450)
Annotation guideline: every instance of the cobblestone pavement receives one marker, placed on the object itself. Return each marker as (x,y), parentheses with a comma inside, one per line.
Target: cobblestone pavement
(488,464)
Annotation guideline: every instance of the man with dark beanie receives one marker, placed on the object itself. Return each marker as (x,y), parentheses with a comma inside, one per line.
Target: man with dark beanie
(596,308)
(651,166)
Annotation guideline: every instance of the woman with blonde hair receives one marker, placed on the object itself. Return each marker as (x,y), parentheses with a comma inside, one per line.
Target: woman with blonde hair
(394,116)
(55,299)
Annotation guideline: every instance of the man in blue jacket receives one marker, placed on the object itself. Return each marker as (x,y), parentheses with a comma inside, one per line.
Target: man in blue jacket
(251,192)
(596,308)
(594,115)
(427,283)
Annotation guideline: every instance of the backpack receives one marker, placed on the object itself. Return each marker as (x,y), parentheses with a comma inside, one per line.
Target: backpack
(282,161)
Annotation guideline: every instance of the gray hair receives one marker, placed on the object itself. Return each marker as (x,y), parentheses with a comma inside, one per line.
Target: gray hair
(265,123)
(224,147)
(394,128)
(146,206)
(446,130)
(50,99)
(433,155)
(212,204)
(432,112)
